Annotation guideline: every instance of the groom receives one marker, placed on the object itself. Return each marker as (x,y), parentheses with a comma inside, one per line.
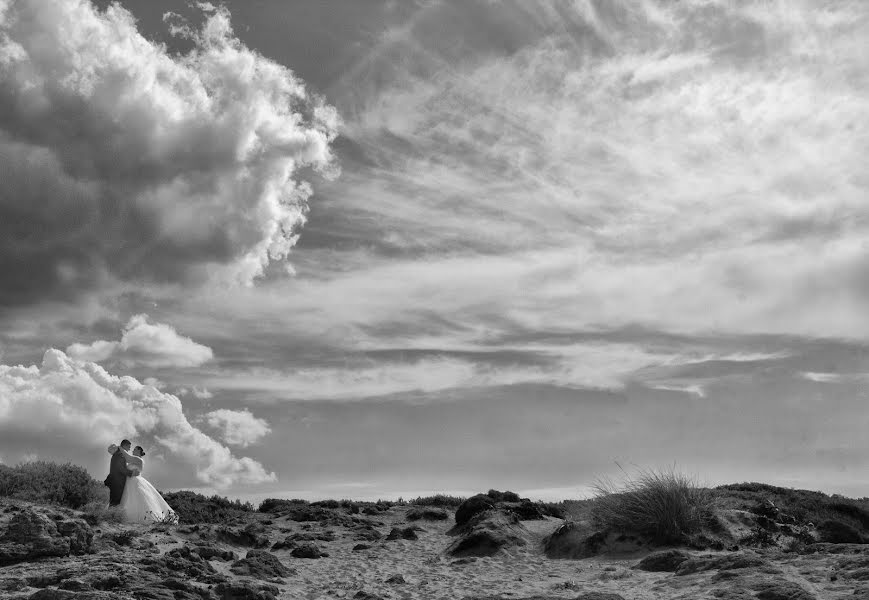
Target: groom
(118,473)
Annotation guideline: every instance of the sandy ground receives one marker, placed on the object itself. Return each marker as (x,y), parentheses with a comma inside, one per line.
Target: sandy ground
(521,572)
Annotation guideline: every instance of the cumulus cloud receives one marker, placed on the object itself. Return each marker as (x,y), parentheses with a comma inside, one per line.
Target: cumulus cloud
(145,344)
(119,160)
(238,427)
(201,393)
(84,403)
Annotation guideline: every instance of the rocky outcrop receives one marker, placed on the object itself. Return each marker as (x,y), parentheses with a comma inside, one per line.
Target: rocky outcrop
(571,541)
(472,506)
(308,550)
(666,561)
(403,533)
(721,563)
(261,565)
(487,533)
(252,536)
(245,590)
(31,535)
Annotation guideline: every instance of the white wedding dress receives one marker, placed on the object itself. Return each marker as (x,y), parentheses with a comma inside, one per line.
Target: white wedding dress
(141,502)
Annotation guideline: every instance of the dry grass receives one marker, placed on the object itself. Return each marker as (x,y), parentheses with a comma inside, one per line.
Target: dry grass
(664,505)
(99,511)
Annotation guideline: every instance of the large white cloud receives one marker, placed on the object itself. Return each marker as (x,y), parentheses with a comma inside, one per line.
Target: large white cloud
(238,427)
(147,344)
(81,401)
(121,160)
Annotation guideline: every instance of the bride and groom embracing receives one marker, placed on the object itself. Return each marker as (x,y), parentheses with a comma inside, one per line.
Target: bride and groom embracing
(140,501)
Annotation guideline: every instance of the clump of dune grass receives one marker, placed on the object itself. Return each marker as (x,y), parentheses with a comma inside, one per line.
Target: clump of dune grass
(664,505)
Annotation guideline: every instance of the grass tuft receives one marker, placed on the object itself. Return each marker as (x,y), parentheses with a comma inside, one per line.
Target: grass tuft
(664,505)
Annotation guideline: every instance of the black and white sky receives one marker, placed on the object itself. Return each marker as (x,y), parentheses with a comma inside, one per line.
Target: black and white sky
(370,248)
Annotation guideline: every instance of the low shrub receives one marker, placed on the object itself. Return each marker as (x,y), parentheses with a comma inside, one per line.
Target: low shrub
(427,514)
(503,496)
(99,511)
(191,507)
(275,505)
(441,500)
(666,506)
(51,483)
(798,507)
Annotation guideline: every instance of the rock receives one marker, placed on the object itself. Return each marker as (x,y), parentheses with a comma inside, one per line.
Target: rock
(427,514)
(569,541)
(837,532)
(487,533)
(722,563)
(245,590)
(52,594)
(262,565)
(368,534)
(251,536)
(179,561)
(32,535)
(13,584)
(307,551)
(585,596)
(79,534)
(75,585)
(359,547)
(666,561)
(96,595)
(285,544)
(782,590)
(109,582)
(212,552)
(395,579)
(472,506)
(362,595)
(406,533)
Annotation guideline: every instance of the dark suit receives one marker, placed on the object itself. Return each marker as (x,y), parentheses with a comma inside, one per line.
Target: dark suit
(117,479)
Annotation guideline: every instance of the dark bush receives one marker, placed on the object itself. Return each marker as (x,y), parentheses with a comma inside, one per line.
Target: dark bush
(800,507)
(427,514)
(327,504)
(503,496)
(276,505)
(196,508)
(441,500)
(836,532)
(51,483)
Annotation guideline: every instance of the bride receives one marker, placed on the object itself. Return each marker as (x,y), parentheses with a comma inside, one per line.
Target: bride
(141,502)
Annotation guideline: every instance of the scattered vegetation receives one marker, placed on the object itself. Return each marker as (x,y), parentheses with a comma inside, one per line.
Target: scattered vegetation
(427,514)
(441,500)
(832,515)
(191,507)
(666,506)
(276,505)
(51,483)
(100,512)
